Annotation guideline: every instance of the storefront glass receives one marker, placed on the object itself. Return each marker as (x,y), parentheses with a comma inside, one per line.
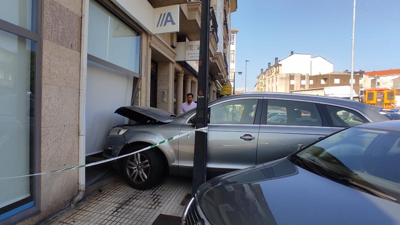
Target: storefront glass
(112,40)
(17,76)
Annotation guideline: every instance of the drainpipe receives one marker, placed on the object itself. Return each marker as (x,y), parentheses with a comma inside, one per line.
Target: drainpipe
(82,103)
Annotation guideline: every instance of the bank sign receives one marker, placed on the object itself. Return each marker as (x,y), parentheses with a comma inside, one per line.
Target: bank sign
(166,19)
(153,20)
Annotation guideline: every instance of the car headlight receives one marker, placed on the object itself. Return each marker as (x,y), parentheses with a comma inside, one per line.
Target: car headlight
(118,131)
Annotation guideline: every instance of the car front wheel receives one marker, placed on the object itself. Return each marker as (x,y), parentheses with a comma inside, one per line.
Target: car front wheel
(143,170)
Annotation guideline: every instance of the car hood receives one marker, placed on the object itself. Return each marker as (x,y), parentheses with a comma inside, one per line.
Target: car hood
(283,193)
(140,113)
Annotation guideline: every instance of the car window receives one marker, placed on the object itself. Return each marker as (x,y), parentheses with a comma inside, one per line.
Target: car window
(234,112)
(342,117)
(293,113)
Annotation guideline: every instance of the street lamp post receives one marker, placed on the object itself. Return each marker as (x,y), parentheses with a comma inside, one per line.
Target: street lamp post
(245,77)
(234,80)
(352,51)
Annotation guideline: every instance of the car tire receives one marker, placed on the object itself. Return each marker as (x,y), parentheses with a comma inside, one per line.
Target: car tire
(143,170)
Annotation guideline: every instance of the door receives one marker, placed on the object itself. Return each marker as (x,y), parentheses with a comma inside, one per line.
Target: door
(153,84)
(287,124)
(232,137)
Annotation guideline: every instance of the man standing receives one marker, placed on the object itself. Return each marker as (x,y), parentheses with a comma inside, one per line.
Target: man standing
(186,106)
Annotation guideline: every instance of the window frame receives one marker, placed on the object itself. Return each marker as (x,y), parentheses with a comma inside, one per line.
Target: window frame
(257,116)
(36,37)
(330,121)
(319,108)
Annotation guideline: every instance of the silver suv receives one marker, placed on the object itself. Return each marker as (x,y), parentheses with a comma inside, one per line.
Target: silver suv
(244,130)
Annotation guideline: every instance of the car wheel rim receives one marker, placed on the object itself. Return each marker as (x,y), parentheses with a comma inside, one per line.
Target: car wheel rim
(138,168)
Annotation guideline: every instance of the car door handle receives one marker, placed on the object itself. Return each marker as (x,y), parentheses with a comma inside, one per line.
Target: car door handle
(247,137)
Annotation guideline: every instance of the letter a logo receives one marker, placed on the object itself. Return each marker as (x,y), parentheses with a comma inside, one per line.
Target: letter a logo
(169,19)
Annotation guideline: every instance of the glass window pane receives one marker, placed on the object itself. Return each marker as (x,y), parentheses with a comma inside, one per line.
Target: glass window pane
(112,40)
(17,58)
(98,30)
(19,12)
(342,117)
(234,112)
(293,113)
(124,46)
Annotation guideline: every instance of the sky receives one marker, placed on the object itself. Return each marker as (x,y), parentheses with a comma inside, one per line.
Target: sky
(274,28)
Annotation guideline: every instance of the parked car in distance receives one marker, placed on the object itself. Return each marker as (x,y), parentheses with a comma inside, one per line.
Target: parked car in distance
(239,133)
(391,114)
(350,177)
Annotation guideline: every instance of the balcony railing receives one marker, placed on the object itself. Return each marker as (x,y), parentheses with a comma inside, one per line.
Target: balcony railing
(226,24)
(214,24)
(226,62)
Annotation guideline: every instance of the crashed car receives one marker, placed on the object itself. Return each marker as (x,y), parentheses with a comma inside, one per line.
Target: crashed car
(239,134)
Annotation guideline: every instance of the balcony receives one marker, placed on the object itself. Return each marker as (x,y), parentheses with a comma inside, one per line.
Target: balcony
(214,25)
(190,20)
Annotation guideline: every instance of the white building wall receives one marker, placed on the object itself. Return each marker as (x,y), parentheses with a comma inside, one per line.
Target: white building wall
(296,63)
(321,66)
(232,55)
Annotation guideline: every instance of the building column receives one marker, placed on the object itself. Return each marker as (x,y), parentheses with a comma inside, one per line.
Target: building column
(188,84)
(297,81)
(145,80)
(307,86)
(194,90)
(165,88)
(179,90)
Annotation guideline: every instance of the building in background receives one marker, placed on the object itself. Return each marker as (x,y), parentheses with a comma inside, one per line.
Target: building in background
(293,72)
(59,88)
(233,56)
(381,78)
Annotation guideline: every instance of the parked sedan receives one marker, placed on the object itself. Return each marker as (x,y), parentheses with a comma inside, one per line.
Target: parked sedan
(239,134)
(391,114)
(351,177)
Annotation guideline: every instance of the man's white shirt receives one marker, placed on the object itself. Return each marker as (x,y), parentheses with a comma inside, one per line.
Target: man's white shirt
(186,107)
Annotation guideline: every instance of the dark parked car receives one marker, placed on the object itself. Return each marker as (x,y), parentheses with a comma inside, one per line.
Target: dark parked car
(392,114)
(239,134)
(351,177)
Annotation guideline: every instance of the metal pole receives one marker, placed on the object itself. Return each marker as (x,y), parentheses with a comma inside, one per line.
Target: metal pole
(352,52)
(200,147)
(234,82)
(245,78)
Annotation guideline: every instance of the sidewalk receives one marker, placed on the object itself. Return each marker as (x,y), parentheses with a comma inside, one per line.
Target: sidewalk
(118,203)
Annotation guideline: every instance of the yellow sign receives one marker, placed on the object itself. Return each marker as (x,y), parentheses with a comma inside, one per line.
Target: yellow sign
(226,90)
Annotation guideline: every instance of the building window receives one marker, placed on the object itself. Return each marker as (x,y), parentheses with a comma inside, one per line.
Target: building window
(323,81)
(336,81)
(292,82)
(112,40)
(19,13)
(17,106)
(352,81)
(232,39)
(303,82)
(311,81)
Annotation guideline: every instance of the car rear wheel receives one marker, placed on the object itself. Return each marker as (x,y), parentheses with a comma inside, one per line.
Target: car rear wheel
(143,170)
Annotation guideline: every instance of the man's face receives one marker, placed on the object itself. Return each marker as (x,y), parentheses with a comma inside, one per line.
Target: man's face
(189,98)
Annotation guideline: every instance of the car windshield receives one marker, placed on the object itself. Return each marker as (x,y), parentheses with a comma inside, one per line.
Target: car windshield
(365,159)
